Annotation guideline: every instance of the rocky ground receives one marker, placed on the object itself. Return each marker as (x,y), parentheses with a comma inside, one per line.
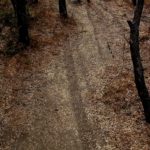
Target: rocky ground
(73,88)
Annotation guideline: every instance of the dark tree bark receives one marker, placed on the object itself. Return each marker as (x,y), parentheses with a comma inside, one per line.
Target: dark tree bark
(20,9)
(14,5)
(134,2)
(34,1)
(136,59)
(63,8)
(79,1)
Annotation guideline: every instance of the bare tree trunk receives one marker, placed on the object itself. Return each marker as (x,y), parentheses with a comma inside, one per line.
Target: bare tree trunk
(136,59)
(79,1)
(134,2)
(63,8)
(34,1)
(20,9)
(14,5)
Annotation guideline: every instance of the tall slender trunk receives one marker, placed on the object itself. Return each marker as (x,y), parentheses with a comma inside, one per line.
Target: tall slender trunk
(63,8)
(136,59)
(14,4)
(20,9)
(34,1)
(134,2)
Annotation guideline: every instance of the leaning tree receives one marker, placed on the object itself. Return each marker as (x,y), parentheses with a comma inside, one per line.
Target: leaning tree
(136,59)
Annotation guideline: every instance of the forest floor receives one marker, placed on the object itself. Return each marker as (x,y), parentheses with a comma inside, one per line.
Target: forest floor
(73,88)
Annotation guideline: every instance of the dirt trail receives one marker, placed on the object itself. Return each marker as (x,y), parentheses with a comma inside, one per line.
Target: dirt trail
(56,88)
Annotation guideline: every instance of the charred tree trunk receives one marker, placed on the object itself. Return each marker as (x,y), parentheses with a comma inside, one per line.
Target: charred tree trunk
(136,59)
(22,22)
(20,9)
(63,8)
(14,5)
(79,1)
(34,1)
(134,2)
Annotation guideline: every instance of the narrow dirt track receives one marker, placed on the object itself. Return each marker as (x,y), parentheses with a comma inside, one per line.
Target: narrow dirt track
(57,94)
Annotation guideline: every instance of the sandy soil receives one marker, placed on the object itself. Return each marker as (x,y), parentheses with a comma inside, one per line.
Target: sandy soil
(73,89)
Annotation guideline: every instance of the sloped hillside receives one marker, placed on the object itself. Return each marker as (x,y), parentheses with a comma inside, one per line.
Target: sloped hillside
(73,87)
